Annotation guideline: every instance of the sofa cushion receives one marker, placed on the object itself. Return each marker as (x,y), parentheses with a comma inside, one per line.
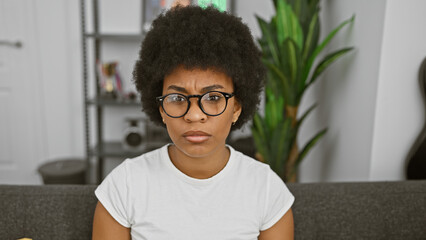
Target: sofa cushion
(362,210)
(47,212)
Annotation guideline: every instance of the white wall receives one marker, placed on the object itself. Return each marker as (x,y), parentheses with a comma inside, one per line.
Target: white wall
(59,40)
(346,95)
(51,74)
(399,115)
(247,10)
(370,100)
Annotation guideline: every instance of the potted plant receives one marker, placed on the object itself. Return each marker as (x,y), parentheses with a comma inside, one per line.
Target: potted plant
(290,46)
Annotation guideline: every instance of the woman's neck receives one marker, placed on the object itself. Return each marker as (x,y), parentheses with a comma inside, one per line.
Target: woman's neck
(199,167)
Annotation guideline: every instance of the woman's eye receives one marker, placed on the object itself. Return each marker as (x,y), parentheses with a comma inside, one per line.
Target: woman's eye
(176,98)
(213,98)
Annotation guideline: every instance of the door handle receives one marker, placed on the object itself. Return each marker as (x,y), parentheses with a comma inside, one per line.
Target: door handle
(17,44)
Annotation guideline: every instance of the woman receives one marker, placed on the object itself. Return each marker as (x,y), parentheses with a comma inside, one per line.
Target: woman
(199,74)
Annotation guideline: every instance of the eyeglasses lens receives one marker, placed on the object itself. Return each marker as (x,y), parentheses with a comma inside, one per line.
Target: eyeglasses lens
(175,105)
(212,103)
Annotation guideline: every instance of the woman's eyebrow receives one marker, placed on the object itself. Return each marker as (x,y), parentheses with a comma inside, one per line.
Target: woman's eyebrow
(204,89)
(212,87)
(179,89)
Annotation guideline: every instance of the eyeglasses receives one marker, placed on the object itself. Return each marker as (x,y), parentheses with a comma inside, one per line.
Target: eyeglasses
(212,103)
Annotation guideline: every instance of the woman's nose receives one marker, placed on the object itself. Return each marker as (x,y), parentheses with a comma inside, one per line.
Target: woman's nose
(195,113)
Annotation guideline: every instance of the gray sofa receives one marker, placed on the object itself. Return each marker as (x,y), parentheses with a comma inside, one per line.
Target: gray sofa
(367,210)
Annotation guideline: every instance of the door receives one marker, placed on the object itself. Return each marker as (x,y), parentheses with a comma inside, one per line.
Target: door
(21,125)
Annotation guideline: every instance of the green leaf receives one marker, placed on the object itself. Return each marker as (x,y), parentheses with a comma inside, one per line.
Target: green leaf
(279,146)
(283,25)
(203,3)
(274,108)
(219,4)
(312,7)
(270,115)
(286,141)
(309,145)
(257,122)
(291,57)
(310,45)
(320,47)
(300,121)
(260,137)
(268,38)
(298,8)
(269,112)
(291,68)
(275,3)
(288,24)
(330,58)
(282,78)
(260,145)
(306,150)
(310,41)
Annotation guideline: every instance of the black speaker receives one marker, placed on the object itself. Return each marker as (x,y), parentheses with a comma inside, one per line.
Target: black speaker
(133,136)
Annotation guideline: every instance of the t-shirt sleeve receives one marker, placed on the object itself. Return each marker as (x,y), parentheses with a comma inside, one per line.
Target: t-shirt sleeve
(113,193)
(278,200)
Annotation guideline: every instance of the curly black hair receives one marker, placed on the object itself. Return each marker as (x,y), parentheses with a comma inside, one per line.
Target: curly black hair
(197,38)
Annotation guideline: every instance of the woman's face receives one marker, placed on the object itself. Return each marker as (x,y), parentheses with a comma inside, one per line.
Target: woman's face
(197,134)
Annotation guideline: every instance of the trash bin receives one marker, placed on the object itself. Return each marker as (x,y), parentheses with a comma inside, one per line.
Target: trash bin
(64,171)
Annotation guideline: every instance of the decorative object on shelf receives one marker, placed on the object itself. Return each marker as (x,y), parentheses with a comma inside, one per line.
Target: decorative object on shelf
(132,96)
(181,2)
(218,4)
(152,8)
(141,135)
(133,134)
(290,48)
(110,80)
(416,167)
(204,3)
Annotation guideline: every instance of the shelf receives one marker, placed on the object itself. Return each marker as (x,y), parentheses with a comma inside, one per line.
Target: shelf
(113,102)
(120,37)
(116,149)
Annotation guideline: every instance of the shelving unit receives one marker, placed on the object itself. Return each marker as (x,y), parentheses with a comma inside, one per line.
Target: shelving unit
(111,102)
(99,36)
(97,148)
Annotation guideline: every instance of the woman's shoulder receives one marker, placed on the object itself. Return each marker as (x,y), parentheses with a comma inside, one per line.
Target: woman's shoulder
(249,165)
(148,161)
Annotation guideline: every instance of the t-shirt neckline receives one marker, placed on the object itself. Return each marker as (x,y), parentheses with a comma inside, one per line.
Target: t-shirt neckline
(197,181)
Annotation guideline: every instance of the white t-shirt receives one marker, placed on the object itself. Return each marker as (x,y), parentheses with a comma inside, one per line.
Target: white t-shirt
(157,201)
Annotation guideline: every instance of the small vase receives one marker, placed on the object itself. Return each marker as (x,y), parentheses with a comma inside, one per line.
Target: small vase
(416,167)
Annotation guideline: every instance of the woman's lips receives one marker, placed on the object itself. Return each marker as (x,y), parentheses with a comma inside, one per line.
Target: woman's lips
(196,136)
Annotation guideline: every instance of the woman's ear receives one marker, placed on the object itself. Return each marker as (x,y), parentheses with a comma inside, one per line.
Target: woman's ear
(162,113)
(237,111)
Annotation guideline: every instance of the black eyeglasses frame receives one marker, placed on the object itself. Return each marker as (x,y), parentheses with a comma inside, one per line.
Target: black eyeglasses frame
(227,96)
